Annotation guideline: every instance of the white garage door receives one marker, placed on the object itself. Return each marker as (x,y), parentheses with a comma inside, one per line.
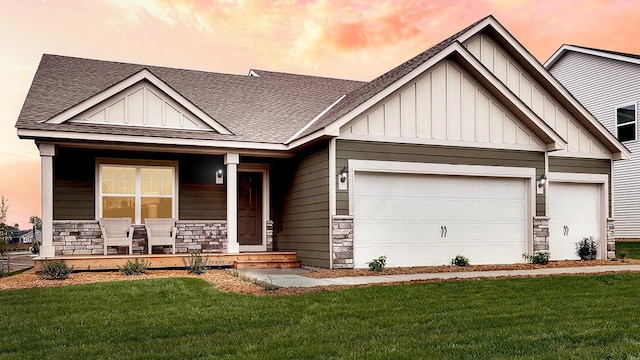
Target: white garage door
(574,213)
(429,219)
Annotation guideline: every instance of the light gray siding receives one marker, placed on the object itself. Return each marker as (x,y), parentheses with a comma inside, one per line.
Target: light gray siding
(601,85)
(364,150)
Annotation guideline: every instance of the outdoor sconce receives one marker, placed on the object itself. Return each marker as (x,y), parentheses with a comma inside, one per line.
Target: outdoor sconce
(344,174)
(542,181)
(219,178)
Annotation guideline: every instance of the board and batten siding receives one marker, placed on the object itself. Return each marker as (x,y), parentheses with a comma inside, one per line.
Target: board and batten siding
(365,150)
(302,224)
(522,84)
(601,85)
(444,104)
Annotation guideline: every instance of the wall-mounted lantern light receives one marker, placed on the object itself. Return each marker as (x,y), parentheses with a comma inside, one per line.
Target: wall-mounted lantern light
(542,181)
(219,178)
(344,175)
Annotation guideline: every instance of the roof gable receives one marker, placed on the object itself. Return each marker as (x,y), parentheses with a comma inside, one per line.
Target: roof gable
(444,105)
(363,98)
(140,100)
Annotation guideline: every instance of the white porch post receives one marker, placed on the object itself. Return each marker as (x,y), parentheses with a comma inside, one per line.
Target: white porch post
(232,161)
(47,151)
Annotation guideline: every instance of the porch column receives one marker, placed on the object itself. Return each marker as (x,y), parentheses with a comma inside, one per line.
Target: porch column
(232,160)
(47,152)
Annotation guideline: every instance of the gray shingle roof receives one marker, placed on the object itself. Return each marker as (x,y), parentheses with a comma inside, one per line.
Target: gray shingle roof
(269,109)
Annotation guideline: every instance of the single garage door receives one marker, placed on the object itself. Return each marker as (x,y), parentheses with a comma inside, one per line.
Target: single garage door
(429,219)
(574,213)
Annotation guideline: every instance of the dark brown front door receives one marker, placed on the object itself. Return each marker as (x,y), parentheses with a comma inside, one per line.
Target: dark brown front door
(250,208)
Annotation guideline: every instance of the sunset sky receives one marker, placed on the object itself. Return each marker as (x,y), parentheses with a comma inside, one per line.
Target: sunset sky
(354,39)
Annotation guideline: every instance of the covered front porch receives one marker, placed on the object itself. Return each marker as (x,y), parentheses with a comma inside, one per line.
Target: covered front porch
(221,206)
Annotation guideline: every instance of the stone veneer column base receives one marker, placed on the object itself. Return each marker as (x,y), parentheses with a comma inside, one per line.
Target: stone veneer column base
(611,241)
(269,235)
(540,234)
(342,241)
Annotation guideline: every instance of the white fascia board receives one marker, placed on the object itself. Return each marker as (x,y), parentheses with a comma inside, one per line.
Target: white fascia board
(67,135)
(314,120)
(542,71)
(126,83)
(335,126)
(564,48)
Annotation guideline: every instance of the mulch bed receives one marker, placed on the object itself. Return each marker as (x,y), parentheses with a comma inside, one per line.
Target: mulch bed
(320,274)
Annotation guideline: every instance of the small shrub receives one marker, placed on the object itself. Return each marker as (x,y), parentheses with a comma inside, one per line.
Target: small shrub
(540,258)
(134,267)
(623,254)
(378,264)
(55,270)
(196,263)
(586,249)
(460,260)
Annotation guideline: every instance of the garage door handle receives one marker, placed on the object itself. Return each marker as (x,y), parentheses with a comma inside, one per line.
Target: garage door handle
(441,231)
(445,231)
(566,230)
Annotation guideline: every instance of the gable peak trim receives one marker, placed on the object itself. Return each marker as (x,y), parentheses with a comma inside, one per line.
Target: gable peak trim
(139,76)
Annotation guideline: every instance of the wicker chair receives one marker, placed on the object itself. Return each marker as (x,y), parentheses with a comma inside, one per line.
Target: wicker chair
(161,232)
(117,232)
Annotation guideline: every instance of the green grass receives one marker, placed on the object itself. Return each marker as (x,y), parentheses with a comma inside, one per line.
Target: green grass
(631,247)
(569,317)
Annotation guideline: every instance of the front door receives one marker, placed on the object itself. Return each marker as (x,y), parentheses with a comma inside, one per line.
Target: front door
(249,208)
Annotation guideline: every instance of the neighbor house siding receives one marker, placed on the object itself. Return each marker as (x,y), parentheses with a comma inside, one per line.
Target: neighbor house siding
(364,150)
(601,85)
(303,220)
(582,166)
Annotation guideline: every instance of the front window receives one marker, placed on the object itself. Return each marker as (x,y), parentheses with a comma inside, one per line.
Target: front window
(137,192)
(626,122)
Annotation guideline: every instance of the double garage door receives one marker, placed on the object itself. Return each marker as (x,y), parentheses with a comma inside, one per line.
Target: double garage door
(417,219)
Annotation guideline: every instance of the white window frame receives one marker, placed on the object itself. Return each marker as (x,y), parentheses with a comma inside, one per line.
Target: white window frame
(137,164)
(635,120)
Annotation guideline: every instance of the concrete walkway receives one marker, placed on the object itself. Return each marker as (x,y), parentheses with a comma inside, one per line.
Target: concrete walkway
(293,277)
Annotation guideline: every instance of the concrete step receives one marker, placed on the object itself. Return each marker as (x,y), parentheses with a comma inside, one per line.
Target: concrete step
(266,264)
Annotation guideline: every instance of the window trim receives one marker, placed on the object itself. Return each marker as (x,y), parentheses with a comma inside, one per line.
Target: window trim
(138,164)
(635,122)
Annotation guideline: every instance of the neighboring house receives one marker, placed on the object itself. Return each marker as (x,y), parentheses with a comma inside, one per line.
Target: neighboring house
(27,236)
(446,154)
(607,83)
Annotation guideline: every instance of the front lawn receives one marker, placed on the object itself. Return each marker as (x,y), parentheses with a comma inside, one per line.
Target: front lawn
(632,248)
(578,317)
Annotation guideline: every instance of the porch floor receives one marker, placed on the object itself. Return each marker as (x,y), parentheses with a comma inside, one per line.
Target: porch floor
(251,260)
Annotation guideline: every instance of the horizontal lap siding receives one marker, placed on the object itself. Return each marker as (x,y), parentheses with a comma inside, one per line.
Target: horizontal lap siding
(364,150)
(302,224)
(601,85)
(74,183)
(582,166)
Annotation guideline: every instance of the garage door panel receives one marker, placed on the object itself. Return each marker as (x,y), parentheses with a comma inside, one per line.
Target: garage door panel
(574,213)
(400,216)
